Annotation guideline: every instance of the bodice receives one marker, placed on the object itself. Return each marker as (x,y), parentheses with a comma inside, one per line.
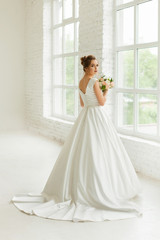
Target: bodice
(89,97)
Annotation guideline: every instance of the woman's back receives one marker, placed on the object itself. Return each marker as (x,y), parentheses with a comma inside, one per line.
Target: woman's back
(88,96)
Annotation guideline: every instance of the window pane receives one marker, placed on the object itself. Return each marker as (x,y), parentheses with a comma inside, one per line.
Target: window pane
(125,110)
(126,69)
(148,21)
(123,1)
(57,100)
(69,38)
(67,4)
(57,71)
(147,120)
(76,101)
(57,11)
(76,8)
(69,70)
(125,26)
(57,41)
(77,37)
(148,67)
(70,101)
(76,69)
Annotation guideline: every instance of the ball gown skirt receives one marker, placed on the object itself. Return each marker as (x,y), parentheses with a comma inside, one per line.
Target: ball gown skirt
(93,178)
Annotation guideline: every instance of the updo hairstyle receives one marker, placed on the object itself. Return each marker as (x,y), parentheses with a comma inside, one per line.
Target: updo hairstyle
(86,60)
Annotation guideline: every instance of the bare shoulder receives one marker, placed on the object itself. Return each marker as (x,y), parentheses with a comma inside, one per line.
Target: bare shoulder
(80,82)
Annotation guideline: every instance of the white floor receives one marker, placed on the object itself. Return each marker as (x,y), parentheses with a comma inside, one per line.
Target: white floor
(26,159)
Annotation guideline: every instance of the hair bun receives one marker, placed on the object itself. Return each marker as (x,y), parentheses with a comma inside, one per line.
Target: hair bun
(83,59)
(86,60)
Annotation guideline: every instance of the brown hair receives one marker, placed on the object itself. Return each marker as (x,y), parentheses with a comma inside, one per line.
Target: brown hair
(86,60)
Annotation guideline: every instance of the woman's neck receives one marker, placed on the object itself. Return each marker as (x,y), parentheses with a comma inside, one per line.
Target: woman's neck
(88,76)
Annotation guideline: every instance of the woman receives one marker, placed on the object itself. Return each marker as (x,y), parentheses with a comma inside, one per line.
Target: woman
(90,67)
(93,178)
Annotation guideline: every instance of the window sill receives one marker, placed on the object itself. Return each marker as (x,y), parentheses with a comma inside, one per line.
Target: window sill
(139,140)
(123,136)
(56,119)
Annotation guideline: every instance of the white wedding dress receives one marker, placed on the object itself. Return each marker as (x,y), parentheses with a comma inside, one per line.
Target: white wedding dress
(93,178)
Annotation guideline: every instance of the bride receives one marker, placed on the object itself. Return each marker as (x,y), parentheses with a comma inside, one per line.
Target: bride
(93,178)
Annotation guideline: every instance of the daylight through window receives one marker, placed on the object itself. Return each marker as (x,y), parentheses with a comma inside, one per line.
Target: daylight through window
(137,77)
(65,25)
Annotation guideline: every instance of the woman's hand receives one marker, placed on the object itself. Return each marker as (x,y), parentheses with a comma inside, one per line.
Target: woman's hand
(107,87)
(112,84)
(105,83)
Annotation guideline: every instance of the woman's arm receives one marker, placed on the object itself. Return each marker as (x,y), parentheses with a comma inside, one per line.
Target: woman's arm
(101,97)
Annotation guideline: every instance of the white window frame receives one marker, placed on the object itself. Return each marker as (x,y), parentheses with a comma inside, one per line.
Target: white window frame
(135,90)
(74,19)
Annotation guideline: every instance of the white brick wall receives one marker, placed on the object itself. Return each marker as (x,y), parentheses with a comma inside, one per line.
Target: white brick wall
(96,37)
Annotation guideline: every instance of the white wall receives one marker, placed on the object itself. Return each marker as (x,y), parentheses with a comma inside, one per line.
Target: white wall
(12,20)
(96,37)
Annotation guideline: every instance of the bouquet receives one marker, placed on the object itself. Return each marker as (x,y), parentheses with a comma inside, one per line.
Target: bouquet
(103,79)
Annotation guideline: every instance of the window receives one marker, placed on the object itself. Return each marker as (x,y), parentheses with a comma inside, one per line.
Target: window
(137,85)
(64,44)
